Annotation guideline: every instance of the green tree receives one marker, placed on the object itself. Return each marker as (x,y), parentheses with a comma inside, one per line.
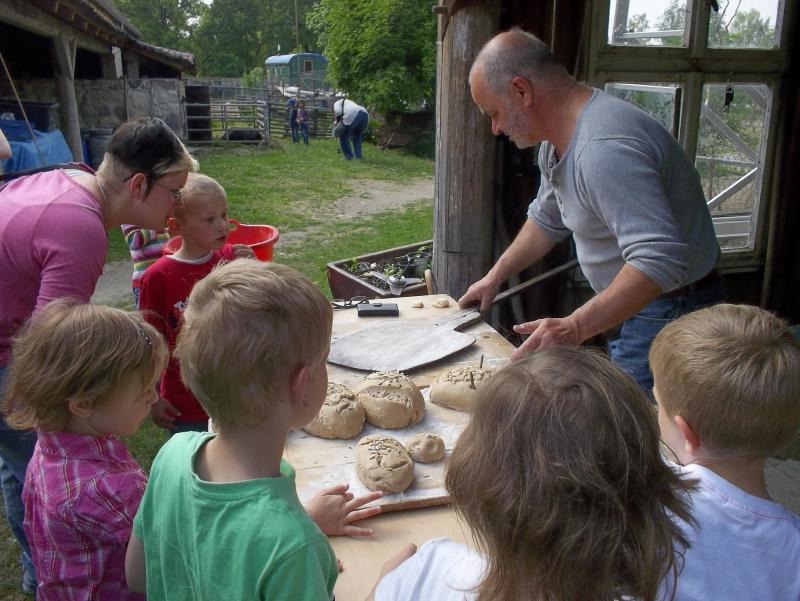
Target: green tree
(380,52)
(167,23)
(235,36)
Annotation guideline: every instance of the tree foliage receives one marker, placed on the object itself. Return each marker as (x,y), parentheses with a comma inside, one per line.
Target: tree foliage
(167,23)
(382,53)
(229,38)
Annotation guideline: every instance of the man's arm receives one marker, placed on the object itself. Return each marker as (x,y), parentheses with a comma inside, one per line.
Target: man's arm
(530,245)
(625,296)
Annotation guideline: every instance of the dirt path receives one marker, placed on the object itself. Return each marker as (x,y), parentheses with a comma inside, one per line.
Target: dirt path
(368,198)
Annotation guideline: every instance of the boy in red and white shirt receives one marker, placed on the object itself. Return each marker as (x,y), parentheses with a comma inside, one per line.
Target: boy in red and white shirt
(201,219)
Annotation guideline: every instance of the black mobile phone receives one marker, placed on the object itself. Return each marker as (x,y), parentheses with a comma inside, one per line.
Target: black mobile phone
(378,310)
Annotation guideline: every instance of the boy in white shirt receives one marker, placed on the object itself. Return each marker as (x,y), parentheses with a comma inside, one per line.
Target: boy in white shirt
(727,383)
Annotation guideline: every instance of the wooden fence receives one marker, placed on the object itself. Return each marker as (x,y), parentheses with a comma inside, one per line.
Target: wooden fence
(244,115)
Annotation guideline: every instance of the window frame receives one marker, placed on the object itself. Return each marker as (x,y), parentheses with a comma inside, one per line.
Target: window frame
(691,68)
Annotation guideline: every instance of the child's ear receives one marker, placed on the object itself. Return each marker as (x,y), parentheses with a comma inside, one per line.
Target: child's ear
(298,384)
(173,227)
(691,441)
(80,408)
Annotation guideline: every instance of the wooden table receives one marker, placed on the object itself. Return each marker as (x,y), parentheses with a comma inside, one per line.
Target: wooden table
(363,558)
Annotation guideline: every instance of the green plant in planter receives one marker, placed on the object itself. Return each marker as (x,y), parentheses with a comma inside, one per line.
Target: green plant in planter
(390,270)
(353,265)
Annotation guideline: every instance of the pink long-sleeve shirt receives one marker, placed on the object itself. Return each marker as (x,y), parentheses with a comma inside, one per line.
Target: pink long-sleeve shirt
(81,494)
(53,244)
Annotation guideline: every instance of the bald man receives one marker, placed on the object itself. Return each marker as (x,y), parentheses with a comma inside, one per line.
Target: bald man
(614,179)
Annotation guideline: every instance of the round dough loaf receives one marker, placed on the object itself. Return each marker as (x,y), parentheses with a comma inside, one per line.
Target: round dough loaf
(425,447)
(458,387)
(391,400)
(341,415)
(382,463)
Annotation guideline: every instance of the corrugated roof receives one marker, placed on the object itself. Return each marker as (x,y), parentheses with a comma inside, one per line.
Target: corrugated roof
(285,59)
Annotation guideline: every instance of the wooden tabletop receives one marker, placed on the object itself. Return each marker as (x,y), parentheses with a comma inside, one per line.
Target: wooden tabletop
(363,558)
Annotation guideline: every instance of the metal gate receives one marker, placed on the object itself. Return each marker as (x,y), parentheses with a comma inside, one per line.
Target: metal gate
(216,113)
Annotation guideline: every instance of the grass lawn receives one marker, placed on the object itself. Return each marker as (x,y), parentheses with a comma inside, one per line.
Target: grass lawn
(288,186)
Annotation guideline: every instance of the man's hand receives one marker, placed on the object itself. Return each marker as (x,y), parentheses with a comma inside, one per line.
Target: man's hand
(164,413)
(549,331)
(334,509)
(242,251)
(483,291)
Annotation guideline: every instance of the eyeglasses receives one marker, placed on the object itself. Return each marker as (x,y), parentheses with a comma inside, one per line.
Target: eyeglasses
(176,194)
(348,303)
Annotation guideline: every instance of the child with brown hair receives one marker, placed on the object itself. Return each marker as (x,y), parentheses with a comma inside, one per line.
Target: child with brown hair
(560,479)
(727,384)
(253,350)
(201,218)
(82,375)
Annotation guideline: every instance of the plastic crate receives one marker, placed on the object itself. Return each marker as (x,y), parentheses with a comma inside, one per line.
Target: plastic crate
(43,115)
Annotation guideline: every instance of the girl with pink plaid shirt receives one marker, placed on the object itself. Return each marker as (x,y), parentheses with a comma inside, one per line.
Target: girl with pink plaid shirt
(82,375)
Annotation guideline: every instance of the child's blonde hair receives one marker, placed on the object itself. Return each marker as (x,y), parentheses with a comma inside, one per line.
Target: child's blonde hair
(248,325)
(198,187)
(733,373)
(71,351)
(560,478)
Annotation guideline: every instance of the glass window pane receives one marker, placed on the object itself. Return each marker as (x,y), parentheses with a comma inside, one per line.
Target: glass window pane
(743,24)
(658,99)
(647,23)
(729,157)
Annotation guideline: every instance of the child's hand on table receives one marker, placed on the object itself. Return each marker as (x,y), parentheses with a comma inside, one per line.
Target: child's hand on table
(242,251)
(163,413)
(335,508)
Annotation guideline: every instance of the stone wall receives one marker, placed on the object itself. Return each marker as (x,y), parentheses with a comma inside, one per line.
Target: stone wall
(106,103)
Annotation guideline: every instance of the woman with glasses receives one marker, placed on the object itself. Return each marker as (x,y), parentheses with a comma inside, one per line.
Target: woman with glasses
(53,244)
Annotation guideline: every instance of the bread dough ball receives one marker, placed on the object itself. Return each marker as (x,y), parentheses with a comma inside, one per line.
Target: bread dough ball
(382,463)
(417,305)
(425,447)
(458,387)
(341,415)
(391,400)
(441,303)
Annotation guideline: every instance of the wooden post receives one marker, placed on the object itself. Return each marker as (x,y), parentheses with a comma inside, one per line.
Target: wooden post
(464,184)
(64,52)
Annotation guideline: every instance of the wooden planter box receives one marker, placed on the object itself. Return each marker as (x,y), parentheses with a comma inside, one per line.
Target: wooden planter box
(344,284)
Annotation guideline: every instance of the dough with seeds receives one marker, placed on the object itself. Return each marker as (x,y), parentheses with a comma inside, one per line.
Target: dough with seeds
(382,463)
(341,415)
(425,447)
(391,400)
(458,388)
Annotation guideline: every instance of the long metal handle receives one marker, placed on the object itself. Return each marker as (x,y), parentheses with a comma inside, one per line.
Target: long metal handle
(533,281)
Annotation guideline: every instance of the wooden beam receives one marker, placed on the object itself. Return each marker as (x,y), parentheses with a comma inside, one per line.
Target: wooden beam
(64,49)
(464,186)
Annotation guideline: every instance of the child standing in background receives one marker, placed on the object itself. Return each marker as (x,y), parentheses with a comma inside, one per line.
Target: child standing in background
(146,247)
(302,120)
(292,106)
(82,375)
(201,219)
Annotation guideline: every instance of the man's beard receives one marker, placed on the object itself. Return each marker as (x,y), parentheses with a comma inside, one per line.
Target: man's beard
(518,130)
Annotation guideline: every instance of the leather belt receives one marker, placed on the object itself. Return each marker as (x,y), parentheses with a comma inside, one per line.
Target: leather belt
(708,278)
